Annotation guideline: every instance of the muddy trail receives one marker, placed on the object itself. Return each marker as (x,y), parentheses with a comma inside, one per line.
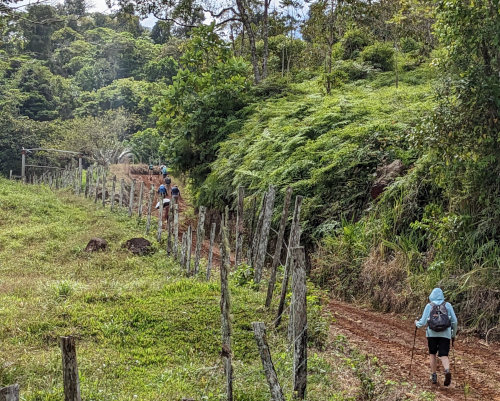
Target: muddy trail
(475,365)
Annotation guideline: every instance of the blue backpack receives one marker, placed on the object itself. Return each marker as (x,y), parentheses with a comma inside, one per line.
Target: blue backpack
(162,190)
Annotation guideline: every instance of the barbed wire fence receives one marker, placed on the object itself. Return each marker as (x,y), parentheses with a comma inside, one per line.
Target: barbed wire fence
(92,183)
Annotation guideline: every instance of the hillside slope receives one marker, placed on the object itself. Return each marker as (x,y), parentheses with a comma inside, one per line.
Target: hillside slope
(144,331)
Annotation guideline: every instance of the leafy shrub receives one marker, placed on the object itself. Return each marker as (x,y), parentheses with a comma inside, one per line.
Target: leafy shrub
(409,44)
(380,55)
(353,42)
(336,78)
(354,69)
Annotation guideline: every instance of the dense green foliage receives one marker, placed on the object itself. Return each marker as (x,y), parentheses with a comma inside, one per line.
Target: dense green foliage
(65,76)
(321,103)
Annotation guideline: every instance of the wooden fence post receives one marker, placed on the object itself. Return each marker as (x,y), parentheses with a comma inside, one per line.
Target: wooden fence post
(80,173)
(160,219)
(150,208)
(139,210)
(23,165)
(183,250)
(96,187)
(113,189)
(264,235)
(70,370)
(258,228)
(239,227)
(225,306)
(10,175)
(131,201)
(176,231)
(279,246)
(293,241)
(10,393)
(103,186)
(170,228)
(299,315)
(122,188)
(251,233)
(259,330)
(211,250)
(86,190)
(189,244)
(200,236)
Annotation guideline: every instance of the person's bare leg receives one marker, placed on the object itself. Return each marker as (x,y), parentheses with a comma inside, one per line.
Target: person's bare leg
(445,362)
(432,362)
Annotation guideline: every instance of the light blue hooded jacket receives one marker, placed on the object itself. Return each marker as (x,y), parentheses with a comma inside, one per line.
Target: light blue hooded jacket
(437,298)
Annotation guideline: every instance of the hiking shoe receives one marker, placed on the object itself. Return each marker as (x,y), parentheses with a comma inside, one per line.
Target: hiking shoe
(434,378)
(447,378)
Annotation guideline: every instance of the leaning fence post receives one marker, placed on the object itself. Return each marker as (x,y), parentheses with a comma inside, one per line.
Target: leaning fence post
(139,210)
(264,235)
(239,227)
(211,250)
(131,202)
(70,370)
(10,393)
(225,314)
(293,241)
(251,234)
(299,313)
(113,188)
(279,245)
(259,330)
(200,235)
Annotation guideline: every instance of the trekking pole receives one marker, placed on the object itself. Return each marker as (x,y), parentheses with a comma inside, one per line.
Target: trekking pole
(412,350)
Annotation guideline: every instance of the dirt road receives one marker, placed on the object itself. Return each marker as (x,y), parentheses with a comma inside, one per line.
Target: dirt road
(390,339)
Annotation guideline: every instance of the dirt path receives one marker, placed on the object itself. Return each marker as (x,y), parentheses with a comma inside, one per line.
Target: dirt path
(390,338)
(184,206)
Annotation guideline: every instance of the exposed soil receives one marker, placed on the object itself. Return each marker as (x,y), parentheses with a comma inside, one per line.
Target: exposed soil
(475,365)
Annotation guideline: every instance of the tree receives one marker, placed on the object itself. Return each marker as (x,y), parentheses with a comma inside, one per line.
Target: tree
(208,91)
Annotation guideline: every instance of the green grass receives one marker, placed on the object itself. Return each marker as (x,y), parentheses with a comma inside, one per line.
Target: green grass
(144,331)
(142,328)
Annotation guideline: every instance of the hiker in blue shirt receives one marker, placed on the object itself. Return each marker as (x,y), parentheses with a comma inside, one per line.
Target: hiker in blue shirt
(162,191)
(441,322)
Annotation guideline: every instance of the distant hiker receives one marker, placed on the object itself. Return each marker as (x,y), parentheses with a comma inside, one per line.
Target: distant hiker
(166,207)
(176,194)
(162,191)
(168,181)
(163,170)
(441,322)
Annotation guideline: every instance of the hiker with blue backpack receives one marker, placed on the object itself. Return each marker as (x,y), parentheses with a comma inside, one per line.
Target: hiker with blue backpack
(441,322)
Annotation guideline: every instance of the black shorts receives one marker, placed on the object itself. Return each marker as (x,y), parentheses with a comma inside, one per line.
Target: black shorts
(440,344)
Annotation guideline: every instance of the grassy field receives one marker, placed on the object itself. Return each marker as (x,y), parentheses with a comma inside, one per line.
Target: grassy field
(143,330)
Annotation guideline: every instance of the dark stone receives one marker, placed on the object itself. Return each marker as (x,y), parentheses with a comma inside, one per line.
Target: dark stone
(138,246)
(385,176)
(96,244)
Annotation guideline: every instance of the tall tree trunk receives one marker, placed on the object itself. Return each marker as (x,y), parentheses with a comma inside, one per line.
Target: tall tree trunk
(265,30)
(251,39)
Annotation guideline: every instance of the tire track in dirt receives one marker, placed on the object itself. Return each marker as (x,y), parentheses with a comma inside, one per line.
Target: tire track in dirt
(390,339)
